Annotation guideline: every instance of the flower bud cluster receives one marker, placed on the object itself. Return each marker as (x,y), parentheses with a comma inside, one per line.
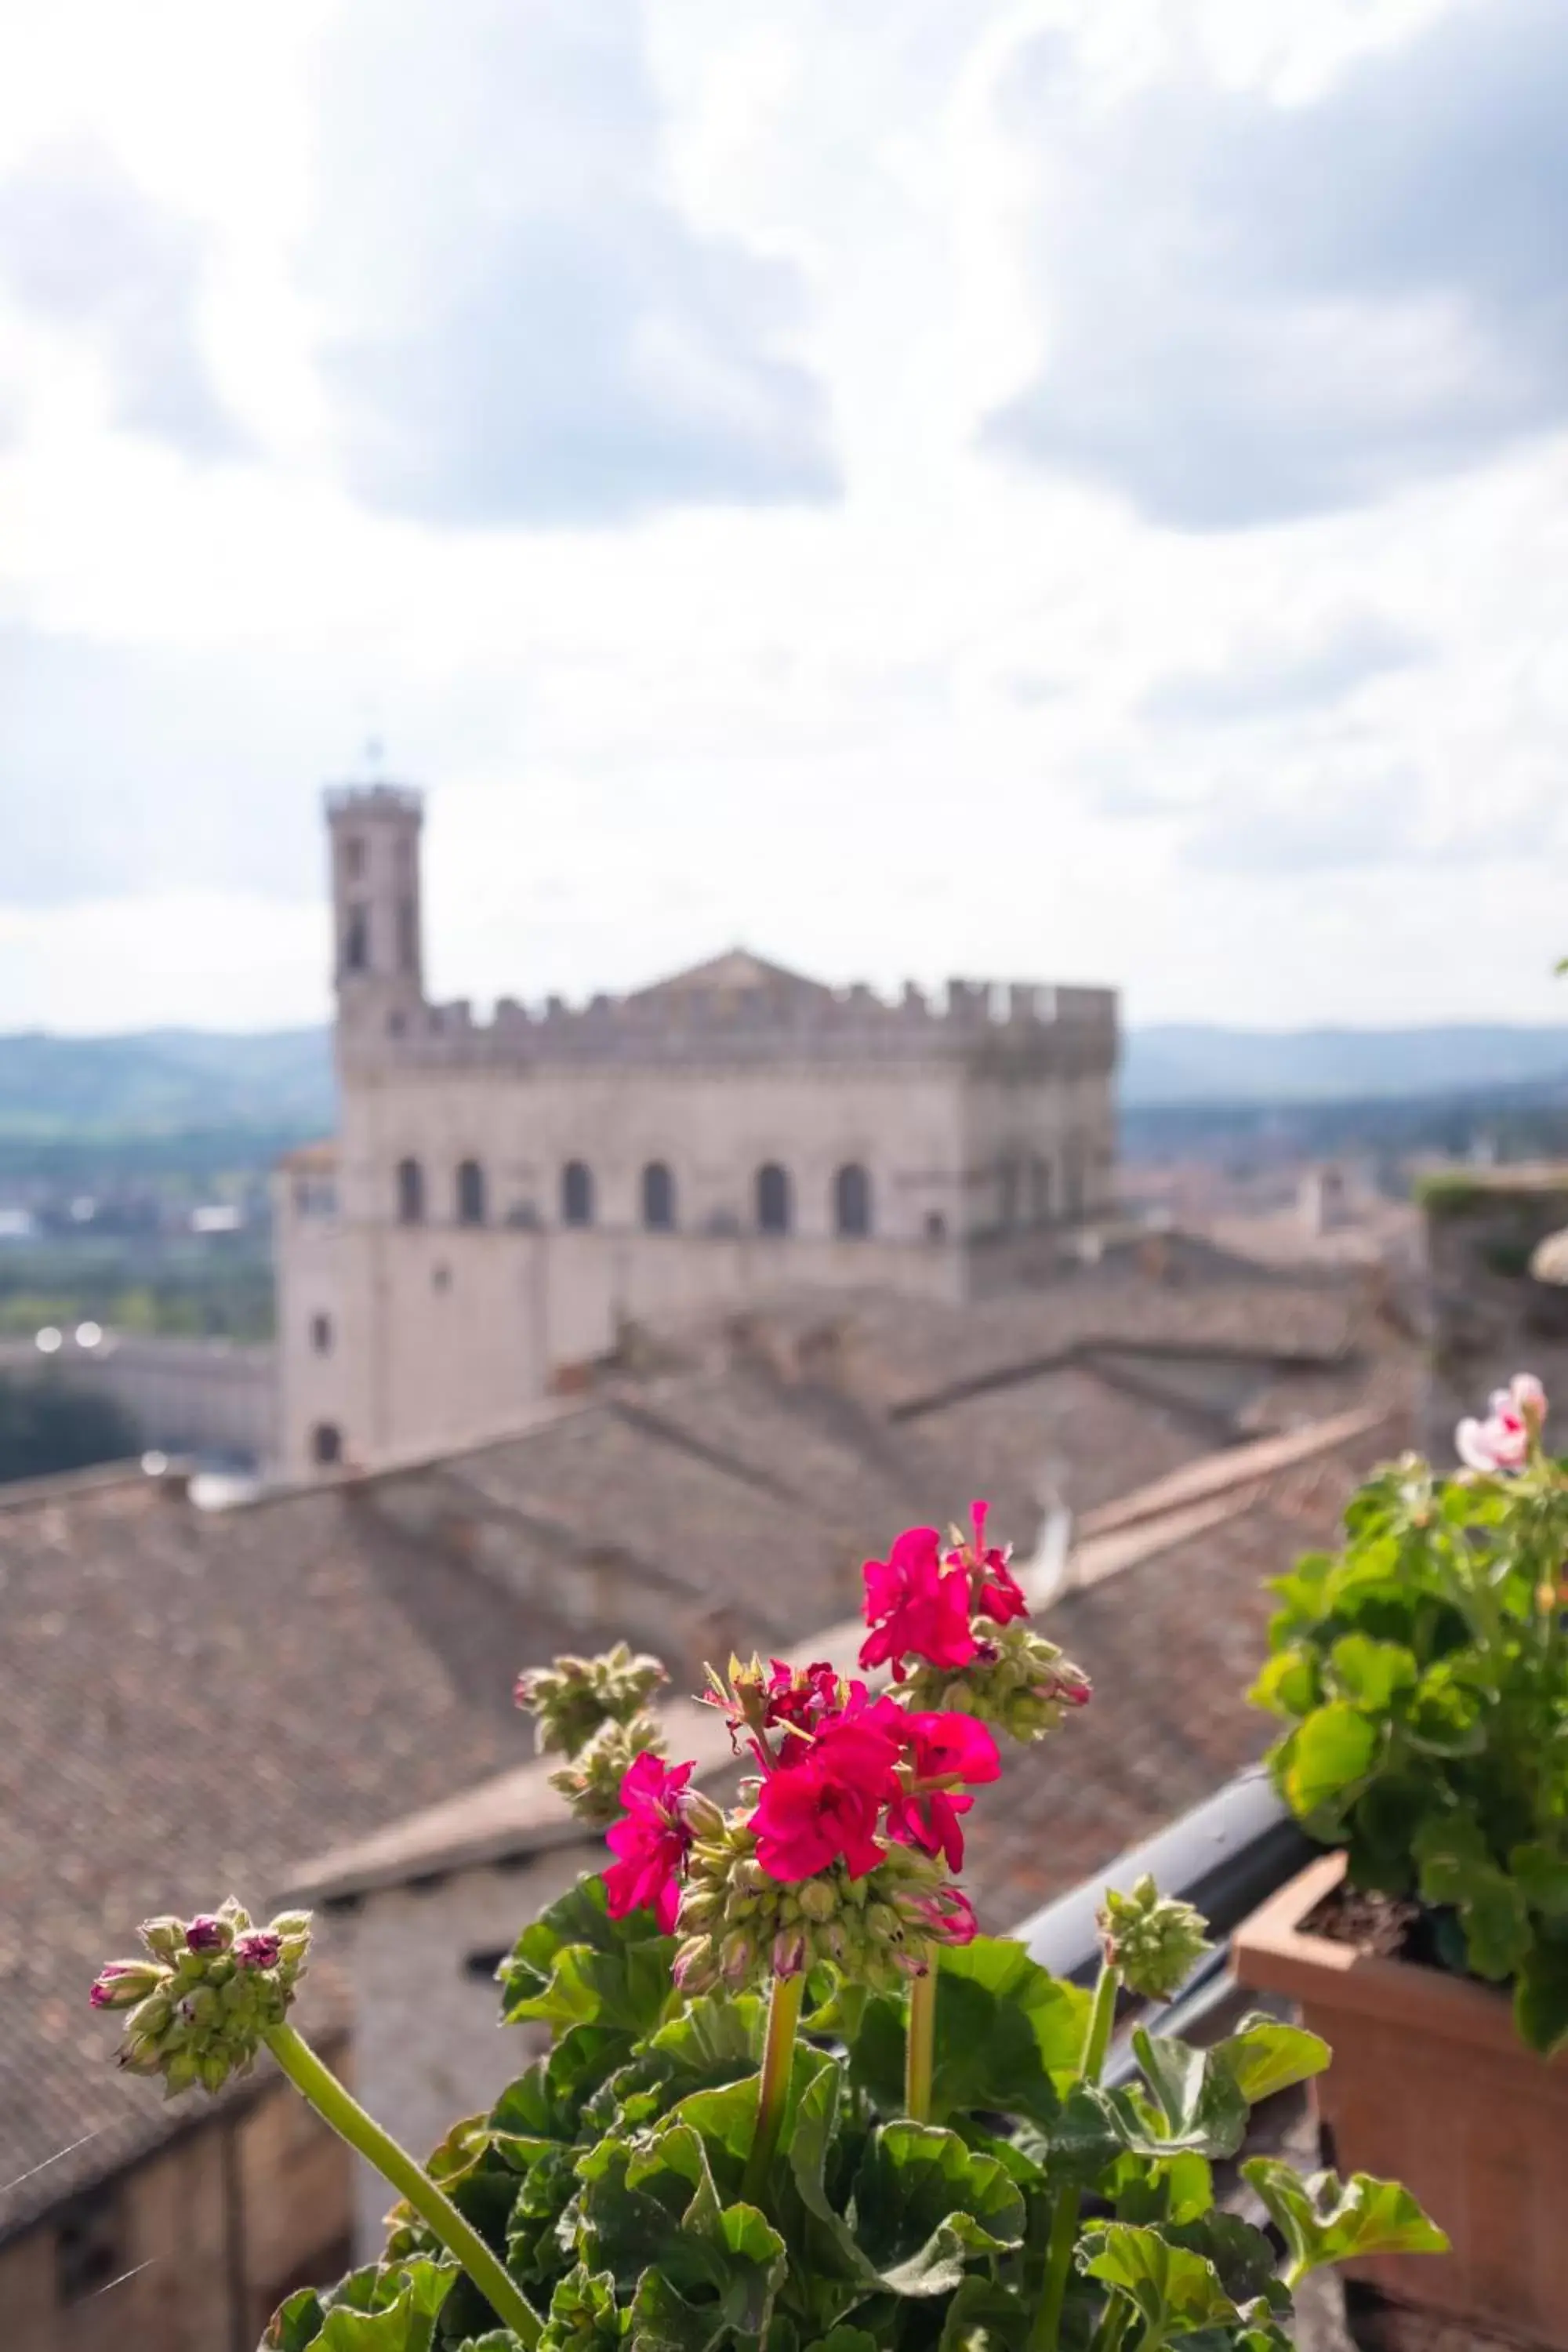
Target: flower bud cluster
(574,1698)
(1018,1681)
(591,1779)
(207,1992)
(740,1926)
(1152,1941)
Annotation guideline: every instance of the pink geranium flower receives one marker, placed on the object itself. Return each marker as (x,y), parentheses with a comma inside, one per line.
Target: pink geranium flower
(916,1606)
(942,1752)
(823,1805)
(1515,1417)
(994,1590)
(651,1841)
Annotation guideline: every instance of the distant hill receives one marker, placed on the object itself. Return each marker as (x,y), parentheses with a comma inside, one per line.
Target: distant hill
(163,1082)
(1195,1064)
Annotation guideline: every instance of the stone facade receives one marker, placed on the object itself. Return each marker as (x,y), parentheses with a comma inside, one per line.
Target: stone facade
(504,1198)
(193,2249)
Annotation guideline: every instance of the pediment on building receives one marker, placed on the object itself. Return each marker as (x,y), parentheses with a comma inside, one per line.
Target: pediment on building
(736,973)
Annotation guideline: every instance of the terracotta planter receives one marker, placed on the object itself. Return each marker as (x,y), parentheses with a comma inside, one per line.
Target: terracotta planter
(1430,2085)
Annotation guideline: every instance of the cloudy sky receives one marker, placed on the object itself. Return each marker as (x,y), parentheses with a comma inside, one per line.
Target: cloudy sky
(1073,488)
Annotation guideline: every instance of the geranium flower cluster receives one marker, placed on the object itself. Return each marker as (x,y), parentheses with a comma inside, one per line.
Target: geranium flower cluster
(1503,1442)
(204,1993)
(844,1845)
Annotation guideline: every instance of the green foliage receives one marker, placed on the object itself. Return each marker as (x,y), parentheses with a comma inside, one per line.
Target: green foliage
(47,1426)
(1325,2220)
(1422,1673)
(611,2177)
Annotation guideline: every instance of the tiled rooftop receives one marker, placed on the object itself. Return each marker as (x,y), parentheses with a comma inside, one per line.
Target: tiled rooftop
(193,1701)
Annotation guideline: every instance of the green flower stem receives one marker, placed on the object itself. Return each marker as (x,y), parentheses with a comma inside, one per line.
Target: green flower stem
(919,2051)
(321,2087)
(1046,2334)
(778,2053)
(1113,2325)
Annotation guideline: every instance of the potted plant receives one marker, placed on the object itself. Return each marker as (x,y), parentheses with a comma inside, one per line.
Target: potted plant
(1423,1671)
(794,2100)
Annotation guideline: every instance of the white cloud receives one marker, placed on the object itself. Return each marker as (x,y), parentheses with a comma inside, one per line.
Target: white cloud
(966,714)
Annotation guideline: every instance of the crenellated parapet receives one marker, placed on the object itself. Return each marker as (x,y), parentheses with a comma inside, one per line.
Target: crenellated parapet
(1030,1025)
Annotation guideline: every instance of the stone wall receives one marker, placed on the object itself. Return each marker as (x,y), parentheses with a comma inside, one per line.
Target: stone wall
(1489,1318)
(191,2250)
(428,2043)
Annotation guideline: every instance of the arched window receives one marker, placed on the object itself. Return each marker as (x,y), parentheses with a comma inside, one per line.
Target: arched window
(1042,1190)
(326,1444)
(410,1192)
(936,1225)
(356,939)
(321,1334)
(576,1194)
(852,1201)
(657,1197)
(773,1198)
(407,936)
(470,1192)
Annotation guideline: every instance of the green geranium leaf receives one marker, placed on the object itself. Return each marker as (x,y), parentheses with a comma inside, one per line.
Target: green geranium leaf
(1324,2220)
(1456,1869)
(651,2217)
(1196,2101)
(1174,2290)
(1005,2026)
(385,2307)
(1370,1674)
(844,2340)
(495,2339)
(1288,1683)
(924,2203)
(1263,2056)
(985,2317)
(1090,2135)
(717,2040)
(1327,1758)
(1168,2190)
(576,1966)
(541,2110)
(665,2319)
(583,2315)
(1302,1590)
(1543,1877)
(1540,1995)
(1242,2256)
(1446,1716)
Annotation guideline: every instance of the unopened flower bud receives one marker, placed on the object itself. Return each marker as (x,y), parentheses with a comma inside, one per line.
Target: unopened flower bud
(121,1984)
(1154,1942)
(209,1992)
(703,1817)
(260,1949)
(574,1698)
(591,1779)
(817,1900)
(789,1953)
(1018,1682)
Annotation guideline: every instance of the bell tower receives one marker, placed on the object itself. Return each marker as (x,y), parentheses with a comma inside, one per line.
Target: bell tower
(378,967)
